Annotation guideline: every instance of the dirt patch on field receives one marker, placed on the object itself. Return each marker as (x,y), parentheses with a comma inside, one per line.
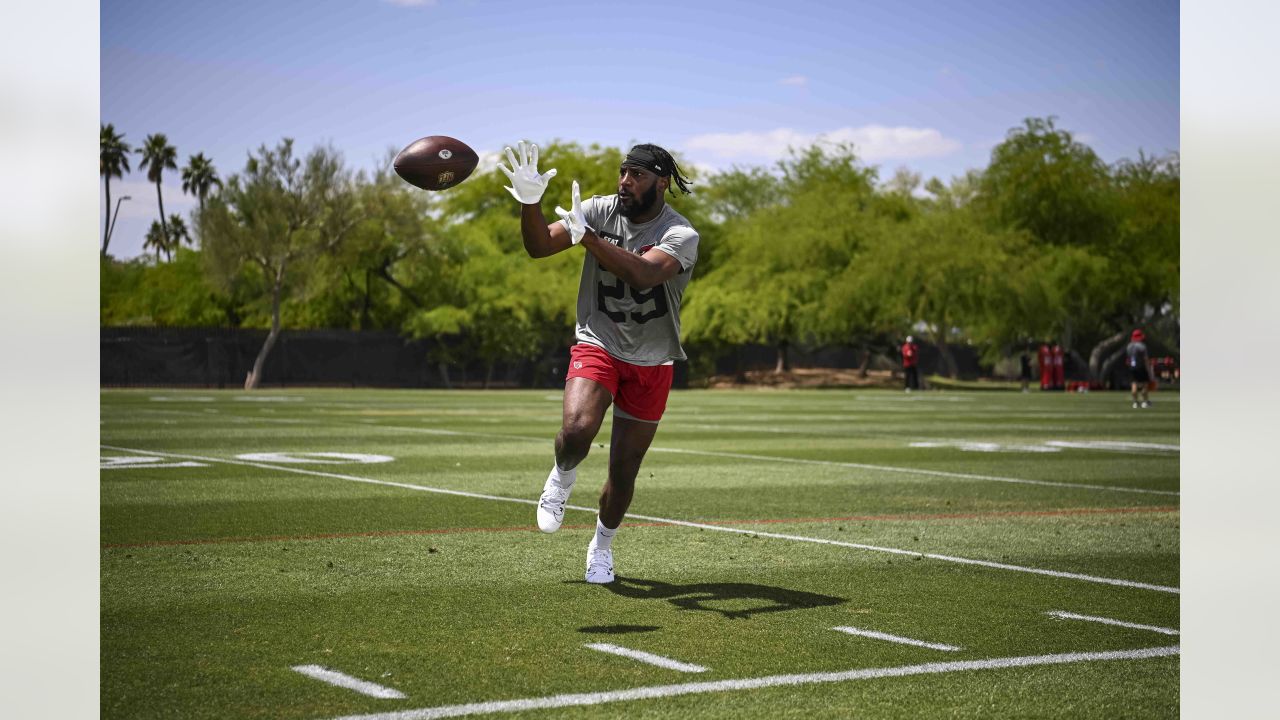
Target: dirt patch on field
(807,378)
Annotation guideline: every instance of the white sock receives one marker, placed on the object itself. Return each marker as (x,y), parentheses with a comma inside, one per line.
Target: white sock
(604,536)
(563,478)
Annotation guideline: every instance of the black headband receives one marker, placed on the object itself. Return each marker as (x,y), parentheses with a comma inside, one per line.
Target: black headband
(659,161)
(649,160)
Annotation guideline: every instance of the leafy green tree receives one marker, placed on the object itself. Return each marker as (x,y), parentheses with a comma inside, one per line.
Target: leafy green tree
(391,264)
(962,190)
(113,161)
(1120,224)
(157,156)
(775,269)
(1144,256)
(1042,180)
(278,216)
(943,269)
(199,177)
(173,294)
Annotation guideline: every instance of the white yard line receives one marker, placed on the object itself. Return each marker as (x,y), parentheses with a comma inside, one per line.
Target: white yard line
(1108,621)
(917,471)
(342,680)
(829,463)
(668,521)
(694,688)
(746,456)
(644,657)
(896,638)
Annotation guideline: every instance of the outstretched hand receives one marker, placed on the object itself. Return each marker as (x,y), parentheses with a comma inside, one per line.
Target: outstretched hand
(527,185)
(574,218)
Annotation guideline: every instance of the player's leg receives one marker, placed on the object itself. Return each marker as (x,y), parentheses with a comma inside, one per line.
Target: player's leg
(630,442)
(585,402)
(588,391)
(639,404)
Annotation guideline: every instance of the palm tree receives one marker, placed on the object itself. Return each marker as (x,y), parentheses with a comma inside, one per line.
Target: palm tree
(155,239)
(157,155)
(113,161)
(177,233)
(199,177)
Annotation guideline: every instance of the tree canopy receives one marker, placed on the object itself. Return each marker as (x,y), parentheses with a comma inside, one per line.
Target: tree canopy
(1047,241)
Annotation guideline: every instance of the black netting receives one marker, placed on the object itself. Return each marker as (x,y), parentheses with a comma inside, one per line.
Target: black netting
(223,357)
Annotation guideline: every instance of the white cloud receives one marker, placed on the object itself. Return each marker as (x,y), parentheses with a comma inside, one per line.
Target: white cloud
(794,80)
(872,143)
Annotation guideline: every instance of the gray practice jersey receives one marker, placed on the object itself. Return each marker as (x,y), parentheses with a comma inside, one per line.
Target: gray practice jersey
(639,327)
(1137,352)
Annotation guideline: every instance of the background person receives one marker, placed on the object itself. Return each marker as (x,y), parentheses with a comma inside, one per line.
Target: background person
(1139,368)
(639,257)
(910,361)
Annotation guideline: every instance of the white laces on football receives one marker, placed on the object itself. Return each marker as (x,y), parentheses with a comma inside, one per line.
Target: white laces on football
(527,185)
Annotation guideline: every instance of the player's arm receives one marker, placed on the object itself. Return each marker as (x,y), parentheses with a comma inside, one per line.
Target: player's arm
(639,271)
(527,187)
(541,239)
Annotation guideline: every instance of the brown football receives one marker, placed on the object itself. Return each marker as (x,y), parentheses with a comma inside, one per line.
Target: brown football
(436,162)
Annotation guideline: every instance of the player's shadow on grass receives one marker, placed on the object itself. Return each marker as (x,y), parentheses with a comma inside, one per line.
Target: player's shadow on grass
(706,596)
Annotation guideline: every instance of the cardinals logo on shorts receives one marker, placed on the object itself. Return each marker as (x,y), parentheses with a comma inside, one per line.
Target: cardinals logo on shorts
(577,364)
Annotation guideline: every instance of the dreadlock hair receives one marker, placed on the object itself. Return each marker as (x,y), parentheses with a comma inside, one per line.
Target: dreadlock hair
(658,160)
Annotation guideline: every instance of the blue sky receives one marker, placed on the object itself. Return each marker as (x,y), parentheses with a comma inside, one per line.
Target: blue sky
(932,86)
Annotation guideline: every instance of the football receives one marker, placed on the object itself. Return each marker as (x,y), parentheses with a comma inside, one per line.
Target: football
(436,162)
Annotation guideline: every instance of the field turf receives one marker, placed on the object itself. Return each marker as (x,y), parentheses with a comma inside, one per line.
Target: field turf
(323,553)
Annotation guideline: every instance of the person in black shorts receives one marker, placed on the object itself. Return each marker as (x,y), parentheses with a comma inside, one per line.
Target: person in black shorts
(1139,368)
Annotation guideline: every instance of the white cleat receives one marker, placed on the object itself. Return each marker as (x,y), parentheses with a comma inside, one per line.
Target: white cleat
(551,504)
(1135,406)
(1146,404)
(599,565)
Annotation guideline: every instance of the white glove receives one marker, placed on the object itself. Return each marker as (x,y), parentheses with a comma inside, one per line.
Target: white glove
(527,184)
(575,219)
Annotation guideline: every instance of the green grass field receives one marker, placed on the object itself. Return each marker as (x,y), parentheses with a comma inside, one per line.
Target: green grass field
(245,535)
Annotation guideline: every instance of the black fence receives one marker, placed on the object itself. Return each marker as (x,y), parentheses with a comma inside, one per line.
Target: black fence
(222,358)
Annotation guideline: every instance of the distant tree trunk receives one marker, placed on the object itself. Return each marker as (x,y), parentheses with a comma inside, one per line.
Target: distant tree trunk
(444,375)
(164,226)
(948,360)
(254,377)
(1105,371)
(488,375)
(106,229)
(866,363)
(784,363)
(1096,363)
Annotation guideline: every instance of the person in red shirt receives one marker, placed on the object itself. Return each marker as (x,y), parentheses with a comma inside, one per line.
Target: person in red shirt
(910,357)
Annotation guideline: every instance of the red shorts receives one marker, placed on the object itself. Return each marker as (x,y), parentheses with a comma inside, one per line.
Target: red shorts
(639,391)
